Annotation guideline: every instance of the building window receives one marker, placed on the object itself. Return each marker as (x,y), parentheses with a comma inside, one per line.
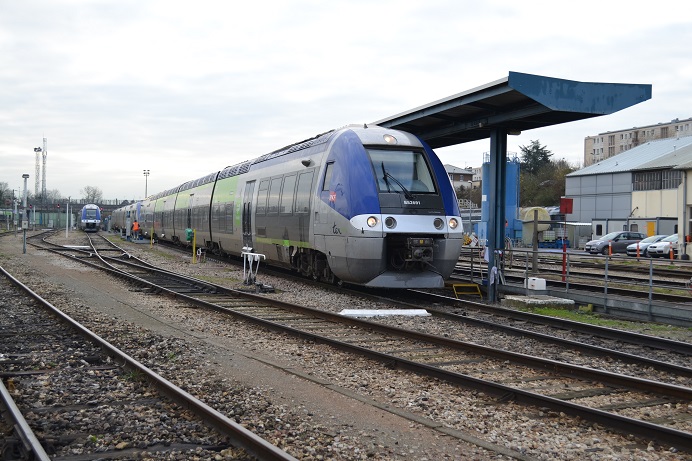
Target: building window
(656,180)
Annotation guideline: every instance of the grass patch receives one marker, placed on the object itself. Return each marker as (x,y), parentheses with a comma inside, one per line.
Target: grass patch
(163,254)
(597,319)
(134,375)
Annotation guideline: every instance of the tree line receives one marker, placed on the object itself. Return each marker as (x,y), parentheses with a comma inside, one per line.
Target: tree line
(90,194)
(541,178)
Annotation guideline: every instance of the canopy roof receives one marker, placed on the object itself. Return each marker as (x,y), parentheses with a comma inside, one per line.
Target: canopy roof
(516,103)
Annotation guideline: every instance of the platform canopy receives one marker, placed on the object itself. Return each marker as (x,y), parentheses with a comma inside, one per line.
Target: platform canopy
(517,103)
(509,106)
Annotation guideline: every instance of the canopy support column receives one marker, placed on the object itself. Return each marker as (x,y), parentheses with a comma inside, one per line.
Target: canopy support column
(496,202)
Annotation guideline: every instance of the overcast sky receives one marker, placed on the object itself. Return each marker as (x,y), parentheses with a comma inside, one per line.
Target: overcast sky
(186,88)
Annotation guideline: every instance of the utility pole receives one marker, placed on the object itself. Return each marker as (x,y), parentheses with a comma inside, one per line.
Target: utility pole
(146,178)
(14,219)
(25,218)
(43,176)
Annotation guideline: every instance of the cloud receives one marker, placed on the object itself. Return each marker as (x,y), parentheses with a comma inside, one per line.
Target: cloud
(184,89)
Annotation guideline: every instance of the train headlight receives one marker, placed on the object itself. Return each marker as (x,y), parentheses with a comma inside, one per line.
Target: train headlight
(372,221)
(390,222)
(438,223)
(389,139)
(453,223)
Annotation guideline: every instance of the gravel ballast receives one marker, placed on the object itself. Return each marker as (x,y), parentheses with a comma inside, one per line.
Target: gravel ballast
(314,402)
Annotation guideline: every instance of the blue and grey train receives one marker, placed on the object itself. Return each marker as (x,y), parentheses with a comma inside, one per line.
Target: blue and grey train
(362,204)
(90,218)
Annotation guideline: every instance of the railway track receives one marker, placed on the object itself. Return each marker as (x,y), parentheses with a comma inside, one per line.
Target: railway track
(608,398)
(70,394)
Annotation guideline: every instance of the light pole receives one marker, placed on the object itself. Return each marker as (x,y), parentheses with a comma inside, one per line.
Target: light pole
(67,216)
(146,177)
(14,219)
(25,222)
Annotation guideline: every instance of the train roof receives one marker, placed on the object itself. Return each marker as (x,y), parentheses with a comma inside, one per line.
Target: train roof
(244,167)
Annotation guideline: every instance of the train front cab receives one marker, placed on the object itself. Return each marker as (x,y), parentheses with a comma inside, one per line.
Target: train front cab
(387,214)
(90,218)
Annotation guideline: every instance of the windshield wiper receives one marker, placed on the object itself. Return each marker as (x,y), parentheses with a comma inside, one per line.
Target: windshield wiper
(387,175)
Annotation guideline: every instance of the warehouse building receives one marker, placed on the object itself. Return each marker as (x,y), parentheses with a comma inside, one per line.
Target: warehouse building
(644,189)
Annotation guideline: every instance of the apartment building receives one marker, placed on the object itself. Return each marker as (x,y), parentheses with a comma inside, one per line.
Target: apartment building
(610,143)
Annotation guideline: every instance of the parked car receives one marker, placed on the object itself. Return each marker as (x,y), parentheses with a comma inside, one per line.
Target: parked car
(643,246)
(619,241)
(663,247)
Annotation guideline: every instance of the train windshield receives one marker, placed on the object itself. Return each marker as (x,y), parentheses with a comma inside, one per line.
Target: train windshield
(91,213)
(404,172)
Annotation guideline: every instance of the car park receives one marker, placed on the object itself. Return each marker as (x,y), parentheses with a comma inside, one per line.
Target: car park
(618,241)
(643,246)
(663,247)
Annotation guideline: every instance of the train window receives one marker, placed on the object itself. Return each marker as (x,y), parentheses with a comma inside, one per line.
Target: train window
(274,193)
(228,217)
(328,176)
(395,170)
(303,192)
(261,207)
(286,205)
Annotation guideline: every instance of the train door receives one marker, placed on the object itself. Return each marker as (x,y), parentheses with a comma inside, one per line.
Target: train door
(160,226)
(302,205)
(247,214)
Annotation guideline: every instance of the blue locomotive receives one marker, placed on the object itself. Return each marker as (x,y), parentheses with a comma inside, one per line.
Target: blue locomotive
(90,218)
(362,204)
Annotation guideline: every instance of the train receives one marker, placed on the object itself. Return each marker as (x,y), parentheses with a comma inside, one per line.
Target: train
(363,205)
(90,218)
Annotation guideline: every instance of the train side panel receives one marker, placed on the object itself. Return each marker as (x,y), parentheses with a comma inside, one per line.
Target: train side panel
(282,211)
(225,217)
(163,215)
(200,200)
(146,223)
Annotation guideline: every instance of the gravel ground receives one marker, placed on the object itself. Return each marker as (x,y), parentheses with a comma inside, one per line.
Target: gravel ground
(314,402)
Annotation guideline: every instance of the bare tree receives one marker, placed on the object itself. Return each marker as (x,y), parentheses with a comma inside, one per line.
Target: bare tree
(92,194)
(5,194)
(53,196)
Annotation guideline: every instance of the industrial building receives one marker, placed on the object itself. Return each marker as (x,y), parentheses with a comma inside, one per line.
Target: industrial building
(644,189)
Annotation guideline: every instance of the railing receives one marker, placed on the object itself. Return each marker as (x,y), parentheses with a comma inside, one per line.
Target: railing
(661,278)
